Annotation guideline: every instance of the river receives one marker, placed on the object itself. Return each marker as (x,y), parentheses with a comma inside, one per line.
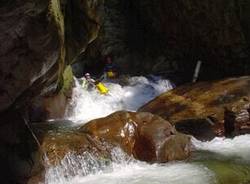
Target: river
(220,161)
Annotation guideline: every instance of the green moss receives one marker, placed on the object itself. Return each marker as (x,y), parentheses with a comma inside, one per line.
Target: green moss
(56,13)
(67,80)
(56,16)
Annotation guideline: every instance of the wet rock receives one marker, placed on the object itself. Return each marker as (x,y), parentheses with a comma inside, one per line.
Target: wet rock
(57,145)
(229,122)
(201,129)
(143,135)
(61,137)
(207,101)
(58,140)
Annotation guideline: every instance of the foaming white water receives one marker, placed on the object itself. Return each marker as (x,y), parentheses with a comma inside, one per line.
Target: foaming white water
(142,173)
(238,147)
(123,170)
(73,165)
(88,105)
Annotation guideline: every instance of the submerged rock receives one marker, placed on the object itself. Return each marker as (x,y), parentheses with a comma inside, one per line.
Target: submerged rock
(204,104)
(145,136)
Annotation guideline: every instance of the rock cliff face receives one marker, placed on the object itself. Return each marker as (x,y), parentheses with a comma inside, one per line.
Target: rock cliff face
(170,36)
(214,32)
(32,46)
(38,40)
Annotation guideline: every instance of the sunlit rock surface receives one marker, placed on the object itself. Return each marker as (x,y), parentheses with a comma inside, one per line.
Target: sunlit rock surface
(145,136)
(142,135)
(58,145)
(204,104)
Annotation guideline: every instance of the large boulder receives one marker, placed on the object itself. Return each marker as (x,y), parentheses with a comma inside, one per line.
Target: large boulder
(145,136)
(200,108)
(142,135)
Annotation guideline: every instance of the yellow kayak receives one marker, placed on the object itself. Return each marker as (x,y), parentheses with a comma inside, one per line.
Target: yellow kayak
(102,88)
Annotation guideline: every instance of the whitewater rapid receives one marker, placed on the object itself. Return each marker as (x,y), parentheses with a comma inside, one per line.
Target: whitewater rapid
(86,169)
(87,105)
(237,148)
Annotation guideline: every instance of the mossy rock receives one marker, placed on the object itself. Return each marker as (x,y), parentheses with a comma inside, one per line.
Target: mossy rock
(68,81)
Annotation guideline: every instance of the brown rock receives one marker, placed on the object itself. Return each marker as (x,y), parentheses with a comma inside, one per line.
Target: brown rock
(58,140)
(204,100)
(58,144)
(145,136)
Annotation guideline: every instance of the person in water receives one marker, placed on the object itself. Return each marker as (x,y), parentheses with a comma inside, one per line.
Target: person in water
(92,83)
(110,70)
